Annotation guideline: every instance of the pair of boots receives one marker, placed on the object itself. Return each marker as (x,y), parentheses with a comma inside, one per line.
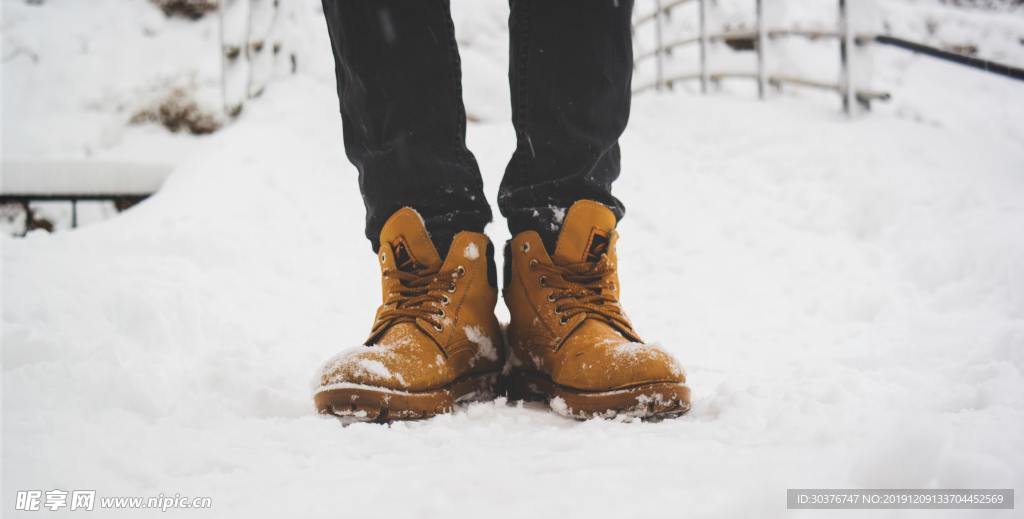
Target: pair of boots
(435,340)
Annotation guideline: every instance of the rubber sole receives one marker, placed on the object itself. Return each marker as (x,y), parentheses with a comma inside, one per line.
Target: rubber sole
(362,403)
(654,401)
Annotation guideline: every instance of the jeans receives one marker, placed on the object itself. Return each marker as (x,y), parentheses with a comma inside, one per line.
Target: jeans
(404,122)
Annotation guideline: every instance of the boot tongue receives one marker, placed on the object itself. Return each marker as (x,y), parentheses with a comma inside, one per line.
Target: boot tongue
(405,236)
(586,232)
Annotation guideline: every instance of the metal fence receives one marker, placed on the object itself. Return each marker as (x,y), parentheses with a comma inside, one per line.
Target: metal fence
(758,39)
(121,184)
(251,49)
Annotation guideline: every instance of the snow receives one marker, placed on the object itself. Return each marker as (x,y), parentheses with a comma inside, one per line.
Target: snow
(559,406)
(844,294)
(82,177)
(72,79)
(471,252)
(632,352)
(375,367)
(484,343)
(559,213)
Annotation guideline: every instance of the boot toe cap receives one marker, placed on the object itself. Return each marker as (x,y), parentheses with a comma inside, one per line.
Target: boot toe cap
(611,365)
(381,367)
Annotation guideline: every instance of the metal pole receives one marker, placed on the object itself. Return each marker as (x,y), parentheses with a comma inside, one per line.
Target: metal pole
(703,47)
(845,46)
(248,50)
(970,61)
(29,217)
(659,74)
(762,40)
(74,213)
(223,58)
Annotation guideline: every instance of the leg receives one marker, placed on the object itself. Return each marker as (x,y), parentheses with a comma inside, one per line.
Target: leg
(399,84)
(570,69)
(575,346)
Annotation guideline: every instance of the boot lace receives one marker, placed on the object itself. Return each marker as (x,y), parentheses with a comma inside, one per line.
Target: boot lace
(583,288)
(417,290)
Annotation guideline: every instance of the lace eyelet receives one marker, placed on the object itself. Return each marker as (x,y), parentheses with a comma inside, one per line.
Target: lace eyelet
(543,280)
(439,327)
(526,246)
(557,311)
(551,297)
(563,321)
(383,257)
(451,289)
(445,300)
(533,263)
(440,313)
(460,271)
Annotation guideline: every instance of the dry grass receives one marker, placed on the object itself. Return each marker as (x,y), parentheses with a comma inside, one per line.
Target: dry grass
(177,111)
(191,9)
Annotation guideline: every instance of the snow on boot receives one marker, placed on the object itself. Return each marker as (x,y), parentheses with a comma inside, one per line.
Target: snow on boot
(570,342)
(435,340)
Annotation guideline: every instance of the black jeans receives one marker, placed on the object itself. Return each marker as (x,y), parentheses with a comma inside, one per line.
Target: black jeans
(399,83)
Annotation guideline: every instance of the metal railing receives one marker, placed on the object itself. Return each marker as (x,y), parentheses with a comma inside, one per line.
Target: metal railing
(757,40)
(121,184)
(1000,69)
(250,49)
(120,201)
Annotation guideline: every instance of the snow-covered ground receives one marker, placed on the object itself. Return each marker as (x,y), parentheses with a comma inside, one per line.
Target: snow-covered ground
(847,296)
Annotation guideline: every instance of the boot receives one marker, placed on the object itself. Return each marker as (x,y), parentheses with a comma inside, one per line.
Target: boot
(569,340)
(435,340)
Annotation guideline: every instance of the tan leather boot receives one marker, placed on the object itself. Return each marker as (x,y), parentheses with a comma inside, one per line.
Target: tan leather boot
(435,340)
(569,341)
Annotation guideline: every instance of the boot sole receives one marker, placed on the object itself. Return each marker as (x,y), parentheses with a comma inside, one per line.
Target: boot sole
(362,403)
(653,401)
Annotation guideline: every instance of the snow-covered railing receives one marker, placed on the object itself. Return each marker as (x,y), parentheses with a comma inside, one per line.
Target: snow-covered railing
(757,40)
(123,184)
